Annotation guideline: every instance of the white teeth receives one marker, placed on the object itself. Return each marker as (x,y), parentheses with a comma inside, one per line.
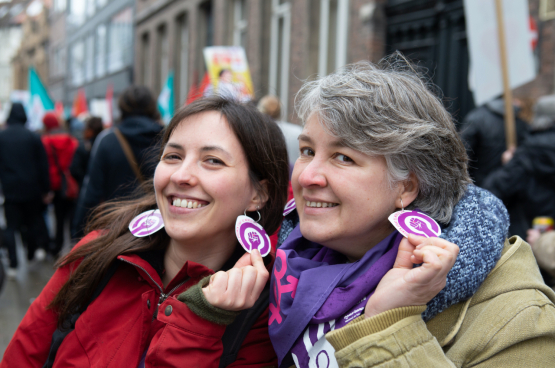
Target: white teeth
(320,204)
(177,202)
(190,204)
(184,203)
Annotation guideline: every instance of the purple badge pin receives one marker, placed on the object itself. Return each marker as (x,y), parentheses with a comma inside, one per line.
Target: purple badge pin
(415,222)
(252,236)
(289,207)
(146,223)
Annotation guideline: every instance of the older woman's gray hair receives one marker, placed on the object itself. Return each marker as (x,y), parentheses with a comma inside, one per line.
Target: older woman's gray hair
(387,110)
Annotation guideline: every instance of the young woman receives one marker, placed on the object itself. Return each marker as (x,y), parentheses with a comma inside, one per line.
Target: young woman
(345,289)
(165,305)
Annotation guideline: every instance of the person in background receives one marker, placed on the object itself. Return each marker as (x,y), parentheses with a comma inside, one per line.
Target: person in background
(25,183)
(271,106)
(110,173)
(60,147)
(543,246)
(528,178)
(483,134)
(80,162)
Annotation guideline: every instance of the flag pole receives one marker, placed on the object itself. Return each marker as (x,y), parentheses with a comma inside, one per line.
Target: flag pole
(510,130)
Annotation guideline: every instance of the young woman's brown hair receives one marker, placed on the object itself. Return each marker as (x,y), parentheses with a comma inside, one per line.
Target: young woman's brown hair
(264,148)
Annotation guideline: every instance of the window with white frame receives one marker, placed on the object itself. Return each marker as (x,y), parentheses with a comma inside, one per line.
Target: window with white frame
(100,63)
(183,58)
(280,35)
(77,63)
(163,54)
(59,6)
(121,37)
(333,35)
(240,23)
(77,11)
(89,58)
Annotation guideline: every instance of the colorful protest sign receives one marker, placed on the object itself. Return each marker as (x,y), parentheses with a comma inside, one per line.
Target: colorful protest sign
(229,72)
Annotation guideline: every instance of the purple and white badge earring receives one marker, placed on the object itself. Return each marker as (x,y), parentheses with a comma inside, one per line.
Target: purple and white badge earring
(147,223)
(414,222)
(251,235)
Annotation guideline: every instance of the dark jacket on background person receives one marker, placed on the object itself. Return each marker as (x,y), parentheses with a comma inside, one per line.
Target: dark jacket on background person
(528,181)
(483,134)
(109,174)
(79,164)
(23,161)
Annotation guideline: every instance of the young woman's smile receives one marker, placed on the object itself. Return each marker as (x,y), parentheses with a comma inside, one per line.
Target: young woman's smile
(202,181)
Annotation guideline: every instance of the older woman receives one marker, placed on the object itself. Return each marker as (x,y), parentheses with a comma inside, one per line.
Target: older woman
(346,291)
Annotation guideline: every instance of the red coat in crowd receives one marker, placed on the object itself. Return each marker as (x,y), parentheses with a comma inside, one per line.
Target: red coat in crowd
(62,146)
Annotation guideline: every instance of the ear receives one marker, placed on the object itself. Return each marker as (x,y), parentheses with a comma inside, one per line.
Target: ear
(258,201)
(408,191)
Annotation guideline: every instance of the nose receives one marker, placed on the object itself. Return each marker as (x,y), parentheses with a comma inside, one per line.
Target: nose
(313,174)
(186,174)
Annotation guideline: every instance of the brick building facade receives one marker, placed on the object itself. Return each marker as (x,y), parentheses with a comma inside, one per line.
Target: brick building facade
(289,41)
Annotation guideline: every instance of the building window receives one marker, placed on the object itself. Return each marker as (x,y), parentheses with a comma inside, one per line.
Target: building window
(101,3)
(279,51)
(77,10)
(240,23)
(57,65)
(182,62)
(59,6)
(100,50)
(145,59)
(333,35)
(90,7)
(120,47)
(205,34)
(77,63)
(163,55)
(89,60)
(547,9)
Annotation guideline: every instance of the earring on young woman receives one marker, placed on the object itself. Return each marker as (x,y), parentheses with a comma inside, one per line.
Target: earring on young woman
(251,235)
(402,207)
(147,223)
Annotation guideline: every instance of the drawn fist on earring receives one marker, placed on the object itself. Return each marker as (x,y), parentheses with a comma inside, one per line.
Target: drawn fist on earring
(240,287)
(255,240)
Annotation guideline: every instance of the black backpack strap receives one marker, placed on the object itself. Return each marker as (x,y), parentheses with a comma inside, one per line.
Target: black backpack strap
(69,325)
(237,331)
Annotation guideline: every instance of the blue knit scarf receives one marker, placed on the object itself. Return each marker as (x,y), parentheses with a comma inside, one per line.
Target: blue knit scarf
(479,226)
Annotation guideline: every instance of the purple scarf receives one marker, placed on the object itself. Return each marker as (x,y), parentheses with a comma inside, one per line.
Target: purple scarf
(312,284)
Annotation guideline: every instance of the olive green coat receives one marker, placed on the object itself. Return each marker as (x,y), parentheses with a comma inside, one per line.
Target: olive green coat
(509,322)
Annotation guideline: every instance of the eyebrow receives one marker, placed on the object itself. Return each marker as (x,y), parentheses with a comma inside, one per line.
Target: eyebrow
(203,149)
(335,143)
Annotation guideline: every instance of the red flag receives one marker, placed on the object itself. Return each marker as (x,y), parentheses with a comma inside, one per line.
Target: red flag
(80,103)
(109,102)
(197,92)
(59,109)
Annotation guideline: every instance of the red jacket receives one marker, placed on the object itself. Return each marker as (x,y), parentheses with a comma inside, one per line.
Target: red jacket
(65,146)
(119,325)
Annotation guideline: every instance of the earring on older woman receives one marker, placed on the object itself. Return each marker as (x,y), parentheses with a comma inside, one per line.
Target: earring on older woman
(251,235)
(147,223)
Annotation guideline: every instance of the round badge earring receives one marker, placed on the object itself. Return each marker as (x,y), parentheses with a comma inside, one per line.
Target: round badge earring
(414,222)
(251,235)
(289,207)
(147,223)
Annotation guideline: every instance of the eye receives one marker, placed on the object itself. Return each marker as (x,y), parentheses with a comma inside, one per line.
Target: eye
(171,157)
(214,161)
(343,158)
(305,151)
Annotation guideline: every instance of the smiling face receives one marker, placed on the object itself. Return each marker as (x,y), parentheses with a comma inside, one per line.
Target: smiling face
(343,196)
(202,181)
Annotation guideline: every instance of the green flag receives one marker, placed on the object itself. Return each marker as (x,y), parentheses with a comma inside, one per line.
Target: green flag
(39,101)
(165,100)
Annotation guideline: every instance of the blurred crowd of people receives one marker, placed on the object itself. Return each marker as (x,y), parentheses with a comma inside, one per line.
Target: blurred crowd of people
(72,172)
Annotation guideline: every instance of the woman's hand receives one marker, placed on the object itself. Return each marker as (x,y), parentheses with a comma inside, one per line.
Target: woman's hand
(532,236)
(240,287)
(404,285)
